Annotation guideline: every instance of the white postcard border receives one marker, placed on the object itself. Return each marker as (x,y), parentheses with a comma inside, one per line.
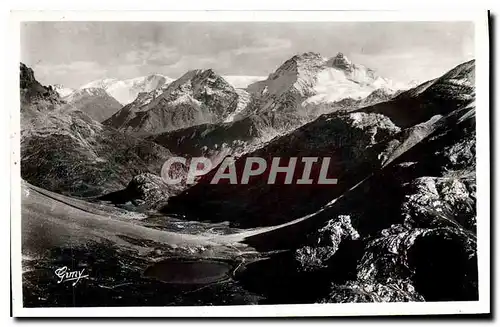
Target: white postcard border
(480,18)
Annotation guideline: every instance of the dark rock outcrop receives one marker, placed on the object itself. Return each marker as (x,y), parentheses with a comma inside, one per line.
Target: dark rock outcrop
(34,96)
(347,139)
(323,244)
(145,191)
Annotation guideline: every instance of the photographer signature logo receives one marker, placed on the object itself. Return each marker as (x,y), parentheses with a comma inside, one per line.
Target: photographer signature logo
(66,275)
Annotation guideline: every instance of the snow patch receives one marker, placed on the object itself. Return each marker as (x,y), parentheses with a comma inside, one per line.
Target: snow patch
(63,91)
(185,99)
(126,91)
(243,101)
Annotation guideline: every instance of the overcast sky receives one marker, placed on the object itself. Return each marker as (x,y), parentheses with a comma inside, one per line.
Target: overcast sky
(74,53)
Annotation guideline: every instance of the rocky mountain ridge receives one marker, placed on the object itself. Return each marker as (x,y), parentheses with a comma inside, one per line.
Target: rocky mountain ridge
(65,151)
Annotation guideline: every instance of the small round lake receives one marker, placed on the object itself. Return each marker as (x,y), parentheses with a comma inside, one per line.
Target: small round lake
(188,271)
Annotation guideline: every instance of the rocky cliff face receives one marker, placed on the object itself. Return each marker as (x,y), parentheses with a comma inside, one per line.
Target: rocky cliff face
(34,96)
(441,96)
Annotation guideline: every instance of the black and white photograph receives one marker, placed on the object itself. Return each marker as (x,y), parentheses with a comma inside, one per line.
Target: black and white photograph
(296,166)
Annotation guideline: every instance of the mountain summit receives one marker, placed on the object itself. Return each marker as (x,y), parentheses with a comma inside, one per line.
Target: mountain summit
(197,97)
(310,84)
(341,61)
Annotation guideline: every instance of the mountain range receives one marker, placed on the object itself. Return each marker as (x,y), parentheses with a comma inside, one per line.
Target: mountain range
(199,96)
(296,93)
(125,91)
(400,224)
(302,88)
(383,131)
(401,220)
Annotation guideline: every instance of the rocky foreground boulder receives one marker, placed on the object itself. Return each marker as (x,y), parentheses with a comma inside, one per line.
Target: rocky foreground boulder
(144,192)
(323,244)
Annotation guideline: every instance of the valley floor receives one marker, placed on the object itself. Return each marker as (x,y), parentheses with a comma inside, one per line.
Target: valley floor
(129,261)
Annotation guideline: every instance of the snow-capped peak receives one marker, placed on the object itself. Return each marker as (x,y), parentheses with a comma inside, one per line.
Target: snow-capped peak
(101,83)
(126,91)
(197,97)
(199,80)
(90,91)
(301,62)
(144,98)
(62,91)
(312,79)
(298,72)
